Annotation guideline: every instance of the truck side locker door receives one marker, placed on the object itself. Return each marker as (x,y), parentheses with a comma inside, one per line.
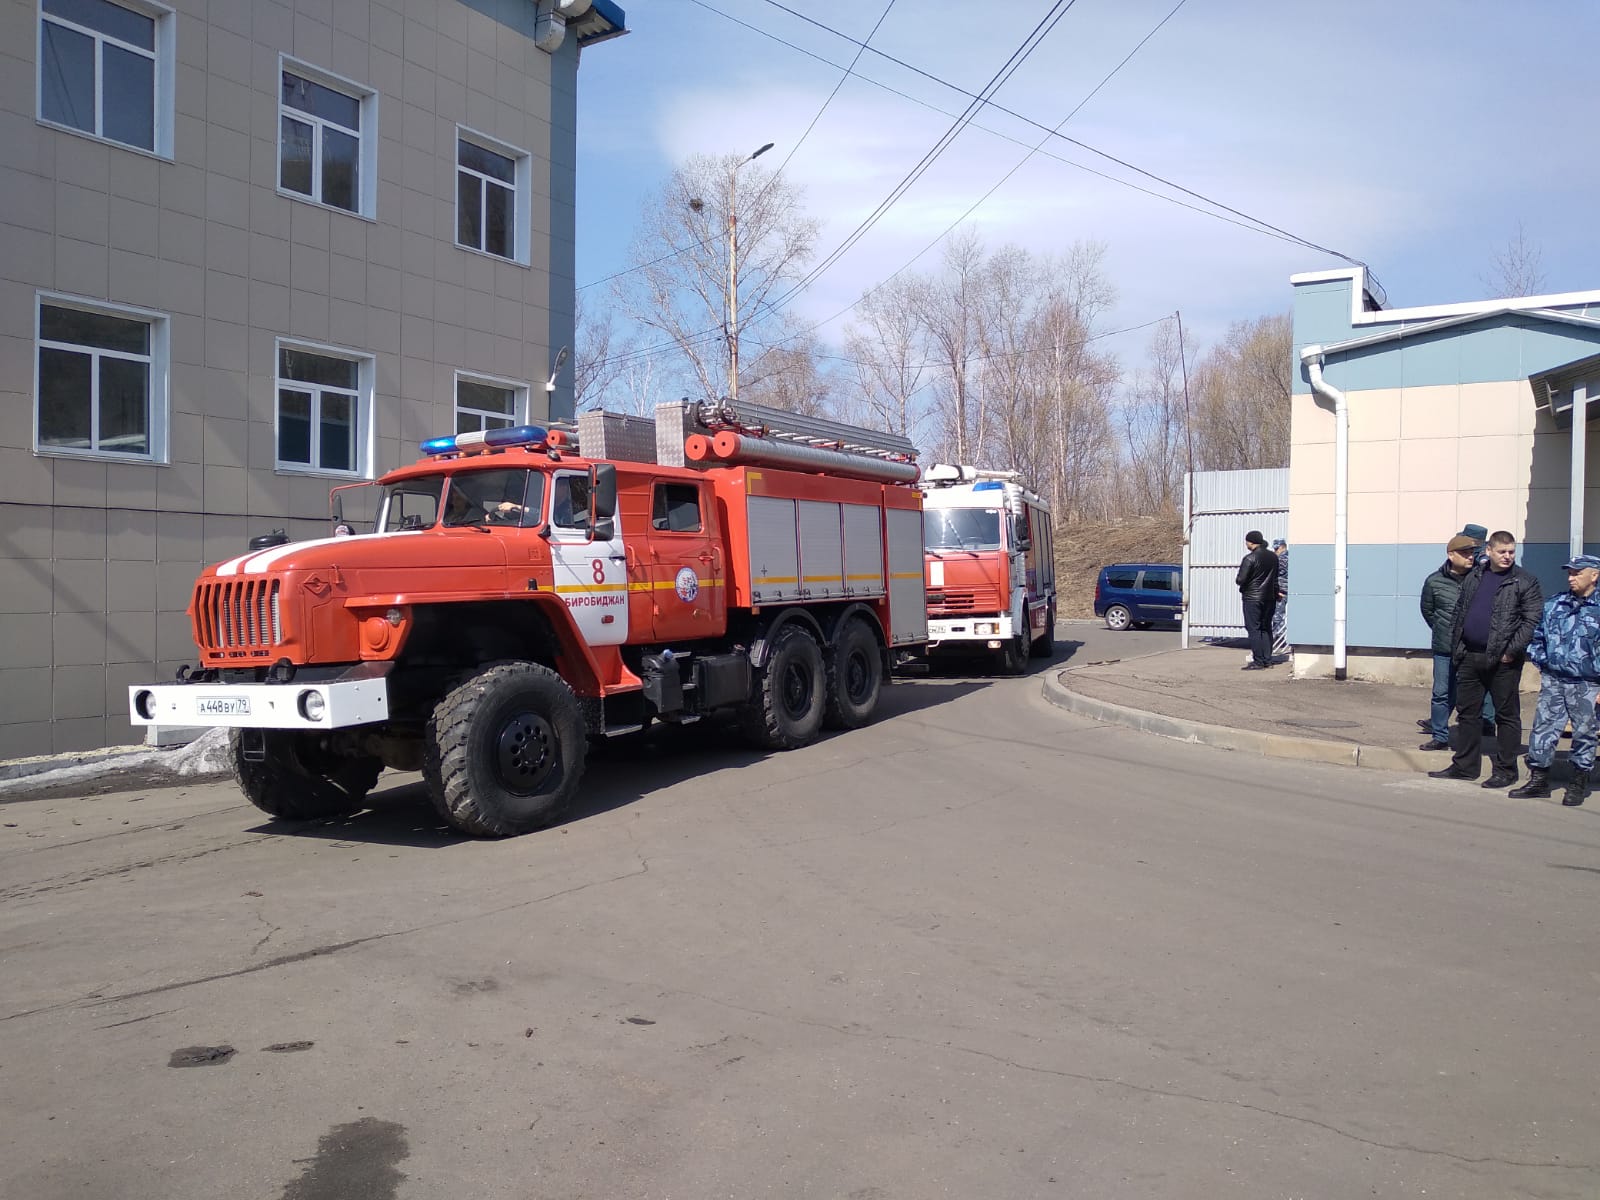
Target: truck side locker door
(685,562)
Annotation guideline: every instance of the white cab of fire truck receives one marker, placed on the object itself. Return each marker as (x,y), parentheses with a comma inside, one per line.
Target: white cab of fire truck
(990,565)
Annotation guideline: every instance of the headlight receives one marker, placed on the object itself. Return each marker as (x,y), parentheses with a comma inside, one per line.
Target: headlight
(144,704)
(312,705)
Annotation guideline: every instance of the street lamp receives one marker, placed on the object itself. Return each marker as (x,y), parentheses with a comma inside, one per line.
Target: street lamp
(733,278)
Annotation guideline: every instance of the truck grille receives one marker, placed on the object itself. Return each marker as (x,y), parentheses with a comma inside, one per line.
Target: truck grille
(951,601)
(238,615)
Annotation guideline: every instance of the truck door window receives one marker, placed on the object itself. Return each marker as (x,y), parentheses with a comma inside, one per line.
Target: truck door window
(413,504)
(676,508)
(509,497)
(569,502)
(1158,581)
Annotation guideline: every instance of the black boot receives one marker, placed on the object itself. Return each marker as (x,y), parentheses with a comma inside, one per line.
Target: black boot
(1577,790)
(1537,787)
(1499,778)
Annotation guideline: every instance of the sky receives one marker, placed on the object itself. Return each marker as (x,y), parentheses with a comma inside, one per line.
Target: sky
(1415,136)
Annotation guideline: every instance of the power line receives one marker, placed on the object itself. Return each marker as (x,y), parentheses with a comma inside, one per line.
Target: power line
(1029,44)
(1001,182)
(1064,137)
(848,71)
(1016,141)
(771,179)
(1093,337)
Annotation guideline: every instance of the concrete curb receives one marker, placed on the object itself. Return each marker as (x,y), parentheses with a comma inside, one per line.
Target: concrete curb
(1269,745)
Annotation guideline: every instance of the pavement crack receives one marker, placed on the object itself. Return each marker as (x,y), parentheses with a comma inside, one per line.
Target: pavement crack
(271,929)
(62,882)
(95,1000)
(867,1033)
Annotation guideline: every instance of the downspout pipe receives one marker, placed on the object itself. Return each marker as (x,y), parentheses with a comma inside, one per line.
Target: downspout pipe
(1311,358)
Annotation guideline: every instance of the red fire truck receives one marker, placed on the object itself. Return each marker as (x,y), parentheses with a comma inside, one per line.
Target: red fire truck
(518,599)
(991,566)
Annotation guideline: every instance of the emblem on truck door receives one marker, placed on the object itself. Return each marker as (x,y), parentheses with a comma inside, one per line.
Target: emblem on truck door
(688,585)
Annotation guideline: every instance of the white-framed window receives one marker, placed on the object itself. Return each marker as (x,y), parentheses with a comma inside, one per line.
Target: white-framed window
(106,69)
(324,423)
(327,139)
(484,403)
(493,196)
(101,380)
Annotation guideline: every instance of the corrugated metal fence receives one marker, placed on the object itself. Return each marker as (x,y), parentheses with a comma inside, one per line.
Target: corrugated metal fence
(1220,507)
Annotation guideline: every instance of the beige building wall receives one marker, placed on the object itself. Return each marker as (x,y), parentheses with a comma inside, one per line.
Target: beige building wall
(1425,461)
(97,556)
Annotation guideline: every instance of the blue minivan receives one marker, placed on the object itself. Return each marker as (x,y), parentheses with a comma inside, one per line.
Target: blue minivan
(1136,595)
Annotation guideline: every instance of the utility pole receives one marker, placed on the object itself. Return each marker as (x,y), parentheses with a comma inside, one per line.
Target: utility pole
(1188,423)
(733,272)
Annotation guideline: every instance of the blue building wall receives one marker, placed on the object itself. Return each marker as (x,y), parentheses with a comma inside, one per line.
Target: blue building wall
(1385,608)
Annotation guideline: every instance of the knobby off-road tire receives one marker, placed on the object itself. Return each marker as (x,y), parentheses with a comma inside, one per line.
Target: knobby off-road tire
(855,678)
(1045,644)
(790,695)
(505,750)
(297,781)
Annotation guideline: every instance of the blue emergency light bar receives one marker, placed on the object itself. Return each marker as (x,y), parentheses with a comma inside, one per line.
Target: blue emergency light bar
(521,435)
(989,485)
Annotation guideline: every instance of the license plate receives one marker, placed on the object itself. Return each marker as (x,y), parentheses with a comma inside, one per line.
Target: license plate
(223,706)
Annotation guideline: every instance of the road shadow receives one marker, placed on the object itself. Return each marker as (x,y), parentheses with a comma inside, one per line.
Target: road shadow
(620,772)
(985,667)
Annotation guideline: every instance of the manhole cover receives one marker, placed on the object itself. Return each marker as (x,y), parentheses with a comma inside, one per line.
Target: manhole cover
(1323,724)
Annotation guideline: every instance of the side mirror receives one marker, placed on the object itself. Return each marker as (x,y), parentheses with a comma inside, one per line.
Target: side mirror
(602,491)
(602,502)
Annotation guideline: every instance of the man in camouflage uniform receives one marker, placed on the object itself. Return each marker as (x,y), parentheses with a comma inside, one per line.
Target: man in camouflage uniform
(1566,649)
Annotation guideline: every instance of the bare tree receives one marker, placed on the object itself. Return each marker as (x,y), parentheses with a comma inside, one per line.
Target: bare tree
(1154,426)
(1518,270)
(598,353)
(789,374)
(946,306)
(681,279)
(887,348)
(1241,397)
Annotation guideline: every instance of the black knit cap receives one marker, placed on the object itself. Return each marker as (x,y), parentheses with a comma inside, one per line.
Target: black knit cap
(1254,538)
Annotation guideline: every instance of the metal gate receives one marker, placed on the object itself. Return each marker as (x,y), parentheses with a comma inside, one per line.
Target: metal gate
(1219,508)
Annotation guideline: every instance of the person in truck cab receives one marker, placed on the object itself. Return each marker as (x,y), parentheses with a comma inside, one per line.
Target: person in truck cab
(569,505)
(465,505)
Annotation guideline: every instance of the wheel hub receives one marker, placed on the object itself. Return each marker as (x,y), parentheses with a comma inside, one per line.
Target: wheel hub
(796,691)
(526,753)
(858,678)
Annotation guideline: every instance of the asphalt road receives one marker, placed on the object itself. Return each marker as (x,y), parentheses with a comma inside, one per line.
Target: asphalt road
(980,949)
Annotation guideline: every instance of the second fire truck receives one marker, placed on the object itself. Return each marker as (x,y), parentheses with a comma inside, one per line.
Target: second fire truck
(990,558)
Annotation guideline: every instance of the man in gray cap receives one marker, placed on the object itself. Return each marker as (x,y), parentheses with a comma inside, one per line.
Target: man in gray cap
(1566,649)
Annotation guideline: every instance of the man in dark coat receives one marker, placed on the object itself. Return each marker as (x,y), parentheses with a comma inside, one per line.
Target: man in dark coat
(1258,589)
(1440,591)
(1494,620)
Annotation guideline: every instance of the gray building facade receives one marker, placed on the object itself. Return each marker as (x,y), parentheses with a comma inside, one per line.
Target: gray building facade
(251,250)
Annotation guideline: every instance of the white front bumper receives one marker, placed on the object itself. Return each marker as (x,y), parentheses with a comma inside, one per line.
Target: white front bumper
(966,629)
(259,705)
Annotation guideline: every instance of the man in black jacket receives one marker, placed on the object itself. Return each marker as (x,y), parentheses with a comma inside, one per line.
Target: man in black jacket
(1499,609)
(1258,588)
